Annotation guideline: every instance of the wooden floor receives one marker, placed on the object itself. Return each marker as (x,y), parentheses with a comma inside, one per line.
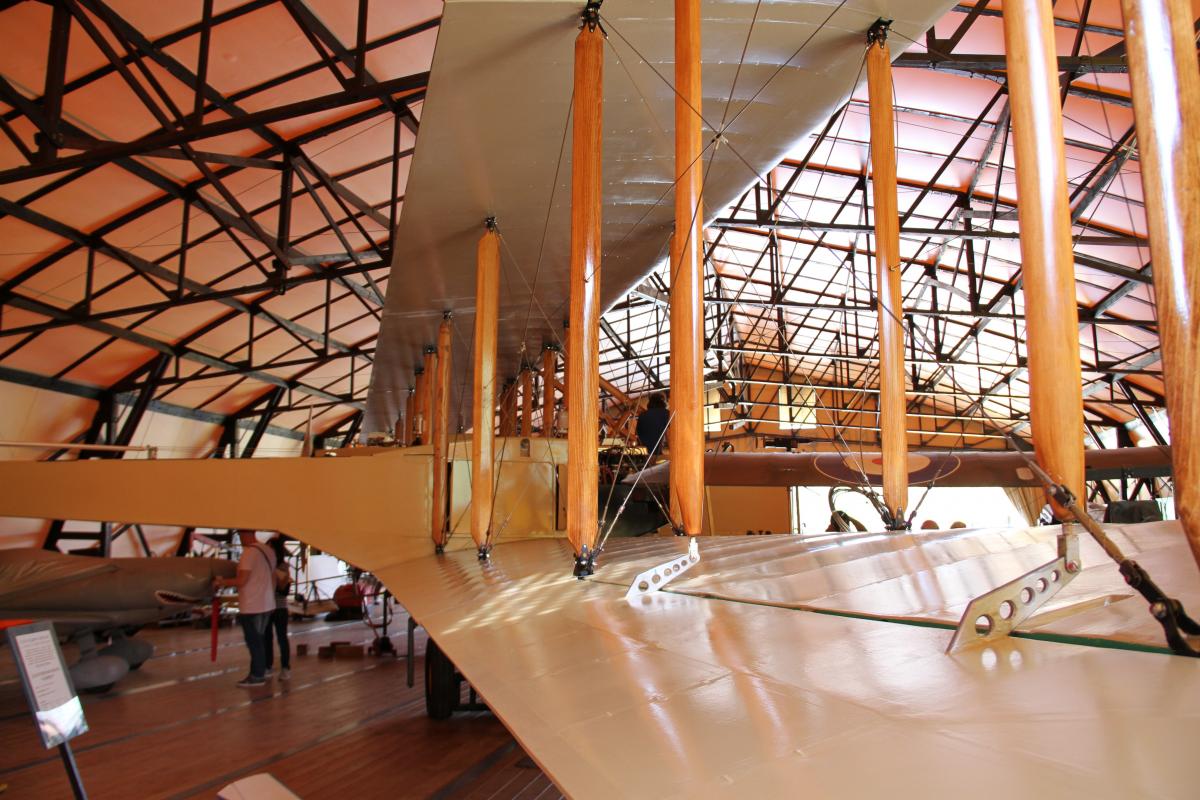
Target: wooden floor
(180,728)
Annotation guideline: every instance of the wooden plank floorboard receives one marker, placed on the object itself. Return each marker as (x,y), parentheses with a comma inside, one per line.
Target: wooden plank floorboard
(197,688)
(179,728)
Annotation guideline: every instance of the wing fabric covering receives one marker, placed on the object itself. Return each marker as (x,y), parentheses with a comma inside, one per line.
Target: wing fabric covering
(689,696)
(492,129)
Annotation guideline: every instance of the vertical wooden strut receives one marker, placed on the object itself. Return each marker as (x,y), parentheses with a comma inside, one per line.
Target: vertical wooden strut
(1166,103)
(440,433)
(565,420)
(527,401)
(1048,267)
(508,409)
(549,362)
(427,401)
(487,311)
(893,421)
(418,423)
(687,280)
(583,342)
(410,410)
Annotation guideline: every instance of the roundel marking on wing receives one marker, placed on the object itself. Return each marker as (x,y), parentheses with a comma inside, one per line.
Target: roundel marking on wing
(851,468)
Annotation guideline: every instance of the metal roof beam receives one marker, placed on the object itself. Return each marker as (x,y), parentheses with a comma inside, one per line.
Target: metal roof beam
(1090,27)
(312,24)
(998,62)
(1116,240)
(409,85)
(150,270)
(271,399)
(158,346)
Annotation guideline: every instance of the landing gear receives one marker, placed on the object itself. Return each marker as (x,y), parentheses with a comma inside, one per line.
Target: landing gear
(443,686)
(441,683)
(95,672)
(383,644)
(134,651)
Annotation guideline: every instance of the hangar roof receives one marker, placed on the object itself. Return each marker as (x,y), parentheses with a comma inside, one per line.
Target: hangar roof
(196,199)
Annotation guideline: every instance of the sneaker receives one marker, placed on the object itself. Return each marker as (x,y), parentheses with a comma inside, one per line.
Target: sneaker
(250,680)
(268,672)
(285,674)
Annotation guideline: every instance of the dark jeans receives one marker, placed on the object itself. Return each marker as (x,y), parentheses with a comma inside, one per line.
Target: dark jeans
(278,621)
(254,626)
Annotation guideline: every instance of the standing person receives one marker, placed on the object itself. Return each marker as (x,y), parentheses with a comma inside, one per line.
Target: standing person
(255,583)
(652,426)
(279,617)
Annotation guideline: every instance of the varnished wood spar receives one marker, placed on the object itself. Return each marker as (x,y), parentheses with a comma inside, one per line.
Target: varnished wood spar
(616,392)
(1048,271)
(428,389)
(487,299)
(501,402)
(440,433)
(687,280)
(893,421)
(962,468)
(583,343)
(1166,103)
(566,360)
(549,363)
(527,401)
(508,409)
(410,408)
(418,423)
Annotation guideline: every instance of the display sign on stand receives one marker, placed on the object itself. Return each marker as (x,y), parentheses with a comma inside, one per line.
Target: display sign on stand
(48,689)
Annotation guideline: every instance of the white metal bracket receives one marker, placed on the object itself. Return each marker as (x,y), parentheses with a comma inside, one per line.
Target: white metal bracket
(996,614)
(659,576)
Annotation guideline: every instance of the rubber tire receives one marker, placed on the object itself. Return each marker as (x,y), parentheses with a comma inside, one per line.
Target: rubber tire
(441,683)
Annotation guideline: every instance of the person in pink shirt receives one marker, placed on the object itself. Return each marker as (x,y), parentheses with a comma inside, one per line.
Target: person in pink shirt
(255,583)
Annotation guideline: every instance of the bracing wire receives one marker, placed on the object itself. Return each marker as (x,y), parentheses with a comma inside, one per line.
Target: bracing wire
(620,510)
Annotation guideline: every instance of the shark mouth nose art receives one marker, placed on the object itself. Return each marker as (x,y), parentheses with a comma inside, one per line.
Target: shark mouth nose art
(166,597)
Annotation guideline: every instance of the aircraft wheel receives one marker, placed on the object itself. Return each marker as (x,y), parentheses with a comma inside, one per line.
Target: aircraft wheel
(441,683)
(135,652)
(98,674)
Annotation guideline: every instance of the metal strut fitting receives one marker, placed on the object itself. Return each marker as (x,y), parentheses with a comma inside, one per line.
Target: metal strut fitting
(1168,611)
(590,17)
(878,32)
(997,613)
(659,576)
(585,562)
